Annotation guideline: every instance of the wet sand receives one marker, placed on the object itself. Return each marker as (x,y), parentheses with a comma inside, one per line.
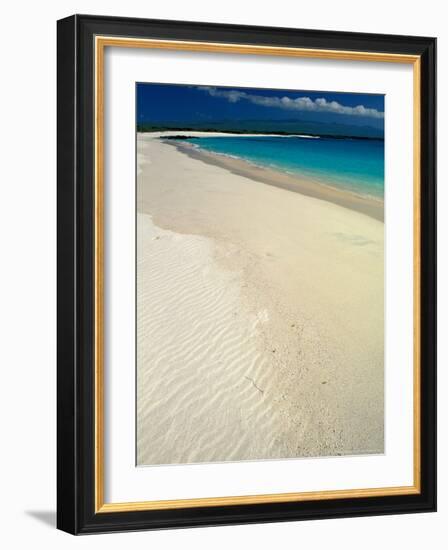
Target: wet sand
(306,186)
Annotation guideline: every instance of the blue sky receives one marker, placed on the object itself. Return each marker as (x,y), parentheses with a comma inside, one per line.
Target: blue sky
(185,104)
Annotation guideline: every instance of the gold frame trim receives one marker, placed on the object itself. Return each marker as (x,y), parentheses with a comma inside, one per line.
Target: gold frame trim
(101,42)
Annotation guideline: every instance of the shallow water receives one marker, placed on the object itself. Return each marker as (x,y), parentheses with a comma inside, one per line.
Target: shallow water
(353,164)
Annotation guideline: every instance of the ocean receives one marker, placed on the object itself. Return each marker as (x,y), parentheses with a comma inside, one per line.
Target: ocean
(356,165)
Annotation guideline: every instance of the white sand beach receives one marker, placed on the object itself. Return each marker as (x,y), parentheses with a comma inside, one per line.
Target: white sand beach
(259,314)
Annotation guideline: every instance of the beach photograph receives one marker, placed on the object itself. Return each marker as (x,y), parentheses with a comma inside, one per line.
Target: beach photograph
(259,274)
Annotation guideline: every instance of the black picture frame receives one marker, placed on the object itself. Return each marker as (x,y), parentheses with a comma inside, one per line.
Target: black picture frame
(76,263)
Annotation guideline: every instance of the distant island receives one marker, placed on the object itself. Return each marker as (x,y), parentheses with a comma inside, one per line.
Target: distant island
(280,128)
(143,129)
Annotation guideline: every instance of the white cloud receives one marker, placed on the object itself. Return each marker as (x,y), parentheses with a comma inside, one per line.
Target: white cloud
(320,104)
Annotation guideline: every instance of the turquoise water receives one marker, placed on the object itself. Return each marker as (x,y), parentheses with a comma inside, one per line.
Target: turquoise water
(352,164)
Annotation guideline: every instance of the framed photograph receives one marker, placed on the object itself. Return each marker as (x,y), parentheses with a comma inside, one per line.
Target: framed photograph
(246,274)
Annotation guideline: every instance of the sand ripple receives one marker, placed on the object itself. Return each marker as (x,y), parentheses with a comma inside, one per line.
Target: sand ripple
(203,376)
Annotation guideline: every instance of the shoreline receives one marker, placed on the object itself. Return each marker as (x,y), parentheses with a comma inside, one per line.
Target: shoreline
(314,188)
